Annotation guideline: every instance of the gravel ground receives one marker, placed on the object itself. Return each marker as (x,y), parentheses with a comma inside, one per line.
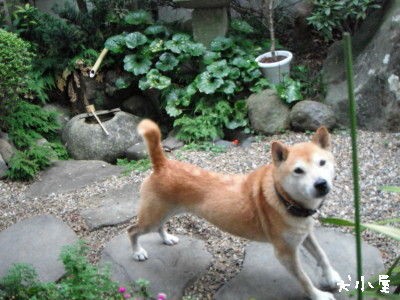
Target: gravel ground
(379,158)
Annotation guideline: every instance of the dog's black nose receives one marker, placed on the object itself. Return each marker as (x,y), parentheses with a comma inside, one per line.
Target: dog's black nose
(322,187)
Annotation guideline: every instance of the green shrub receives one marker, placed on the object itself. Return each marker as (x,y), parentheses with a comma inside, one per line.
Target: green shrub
(201,89)
(81,281)
(26,123)
(140,165)
(15,62)
(330,17)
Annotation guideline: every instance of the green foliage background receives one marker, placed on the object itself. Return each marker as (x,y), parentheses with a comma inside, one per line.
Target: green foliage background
(203,90)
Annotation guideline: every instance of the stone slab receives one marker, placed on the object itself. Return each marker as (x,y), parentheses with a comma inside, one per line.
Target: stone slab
(115,207)
(137,152)
(169,268)
(209,23)
(263,277)
(70,175)
(3,168)
(37,241)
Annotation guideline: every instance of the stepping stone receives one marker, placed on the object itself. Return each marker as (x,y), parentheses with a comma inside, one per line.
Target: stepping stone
(263,277)
(115,207)
(169,268)
(37,241)
(70,175)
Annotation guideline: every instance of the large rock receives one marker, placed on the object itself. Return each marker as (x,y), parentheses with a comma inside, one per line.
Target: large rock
(169,268)
(85,139)
(376,69)
(209,23)
(172,143)
(112,208)
(70,175)
(267,113)
(3,168)
(309,115)
(37,241)
(263,277)
(6,150)
(136,152)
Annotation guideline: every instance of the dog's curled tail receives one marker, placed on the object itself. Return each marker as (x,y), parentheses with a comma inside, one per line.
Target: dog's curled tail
(152,136)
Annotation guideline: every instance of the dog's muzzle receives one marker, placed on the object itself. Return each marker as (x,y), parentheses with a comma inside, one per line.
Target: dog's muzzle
(322,187)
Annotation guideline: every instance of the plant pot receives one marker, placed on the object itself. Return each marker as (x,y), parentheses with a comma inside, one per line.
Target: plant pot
(275,71)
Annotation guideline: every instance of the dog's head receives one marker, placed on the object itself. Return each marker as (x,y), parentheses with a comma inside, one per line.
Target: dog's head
(305,171)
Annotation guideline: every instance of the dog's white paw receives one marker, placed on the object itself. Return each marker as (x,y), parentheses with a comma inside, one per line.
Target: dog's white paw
(140,255)
(170,239)
(331,280)
(321,295)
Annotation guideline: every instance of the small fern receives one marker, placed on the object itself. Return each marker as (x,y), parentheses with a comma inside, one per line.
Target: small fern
(21,167)
(26,123)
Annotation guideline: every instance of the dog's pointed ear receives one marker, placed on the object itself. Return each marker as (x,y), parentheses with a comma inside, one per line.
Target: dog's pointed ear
(322,138)
(279,152)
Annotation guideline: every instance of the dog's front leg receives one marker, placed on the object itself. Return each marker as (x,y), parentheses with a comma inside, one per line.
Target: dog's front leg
(330,276)
(289,257)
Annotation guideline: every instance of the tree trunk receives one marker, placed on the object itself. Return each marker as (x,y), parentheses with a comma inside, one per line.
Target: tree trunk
(271,26)
(7,14)
(82,6)
(268,13)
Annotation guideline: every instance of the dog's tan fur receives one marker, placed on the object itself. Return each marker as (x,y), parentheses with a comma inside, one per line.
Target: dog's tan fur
(243,205)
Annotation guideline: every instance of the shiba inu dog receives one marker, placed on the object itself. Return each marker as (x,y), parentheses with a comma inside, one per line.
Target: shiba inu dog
(271,204)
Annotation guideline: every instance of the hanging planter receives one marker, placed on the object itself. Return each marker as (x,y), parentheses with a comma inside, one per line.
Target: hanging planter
(275,68)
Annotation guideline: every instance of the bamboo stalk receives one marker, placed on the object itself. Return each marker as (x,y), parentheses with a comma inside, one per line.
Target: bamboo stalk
(271,26)
(90,109)
(356,184)
(98,62)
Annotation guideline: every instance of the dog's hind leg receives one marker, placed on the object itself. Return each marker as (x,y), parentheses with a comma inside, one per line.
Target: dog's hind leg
(150,217)
(134,232)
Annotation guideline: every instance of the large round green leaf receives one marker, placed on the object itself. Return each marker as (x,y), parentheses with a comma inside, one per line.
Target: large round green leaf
(167,62)
(221,44)
(209,57)
(208,84)
(178,97)
(172,110)
(156,46)
(195,49)
(116,44)
(241,26)
(219,69)
(179,43)
(135,39)
(138,17)
(137,64)
(228,87)
(241,62)
(234,73)
(156,30)
(154,80)
(123,82)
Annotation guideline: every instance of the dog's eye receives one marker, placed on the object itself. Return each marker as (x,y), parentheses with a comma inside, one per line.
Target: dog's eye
(299,171)
(322,163)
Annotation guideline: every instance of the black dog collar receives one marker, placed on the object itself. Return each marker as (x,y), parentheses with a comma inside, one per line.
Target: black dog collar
(294,208)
